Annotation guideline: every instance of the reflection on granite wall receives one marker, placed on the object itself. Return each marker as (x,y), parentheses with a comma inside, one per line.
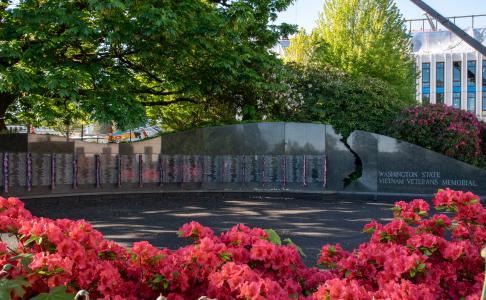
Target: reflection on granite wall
(61,173)
(341,161)
(2,170)
(64,169)
(41,167)
(86,170)
(277,138)
(152,146)
(151,168)
(251,157)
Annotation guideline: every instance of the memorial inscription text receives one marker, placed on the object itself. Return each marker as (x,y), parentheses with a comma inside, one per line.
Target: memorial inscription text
(430,178)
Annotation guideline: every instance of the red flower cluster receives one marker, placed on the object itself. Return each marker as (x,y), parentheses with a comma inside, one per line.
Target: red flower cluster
(239,264)
(411,257)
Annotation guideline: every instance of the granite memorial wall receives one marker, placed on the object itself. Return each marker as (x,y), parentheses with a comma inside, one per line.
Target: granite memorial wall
(252,157)
(278,156)
(391,166)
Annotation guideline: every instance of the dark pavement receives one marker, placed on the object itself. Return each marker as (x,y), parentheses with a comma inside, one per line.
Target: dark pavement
(310,223)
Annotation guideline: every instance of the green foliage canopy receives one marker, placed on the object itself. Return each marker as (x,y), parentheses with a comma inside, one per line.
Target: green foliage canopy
(361,38)
(333,97)
(111,59)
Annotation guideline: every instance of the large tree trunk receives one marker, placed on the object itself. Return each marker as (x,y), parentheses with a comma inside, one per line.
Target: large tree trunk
(5,100)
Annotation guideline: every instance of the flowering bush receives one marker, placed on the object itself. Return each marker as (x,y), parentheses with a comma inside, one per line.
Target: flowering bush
(412,257)
(444,129)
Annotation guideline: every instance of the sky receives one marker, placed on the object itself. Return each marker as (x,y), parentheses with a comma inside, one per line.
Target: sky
(305,12)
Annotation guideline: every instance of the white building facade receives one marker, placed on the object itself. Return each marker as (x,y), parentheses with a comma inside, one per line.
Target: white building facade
(450,71)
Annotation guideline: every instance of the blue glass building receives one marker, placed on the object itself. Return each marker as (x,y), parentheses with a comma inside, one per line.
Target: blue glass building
(451,72)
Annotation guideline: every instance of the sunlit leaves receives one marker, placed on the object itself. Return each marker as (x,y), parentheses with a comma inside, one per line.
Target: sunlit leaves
(361,38)
(111,57)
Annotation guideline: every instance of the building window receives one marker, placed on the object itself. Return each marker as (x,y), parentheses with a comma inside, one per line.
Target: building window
(425,75)
(471,74)
(439,98)
(484,85)
(484,73)
(425,82)
(456,84)
(456,100)
(456,74)
(471,102)
(471,86)
(484,100)
(440,74)
(439,83)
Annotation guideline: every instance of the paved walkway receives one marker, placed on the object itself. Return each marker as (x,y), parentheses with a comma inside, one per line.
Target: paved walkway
(309,223)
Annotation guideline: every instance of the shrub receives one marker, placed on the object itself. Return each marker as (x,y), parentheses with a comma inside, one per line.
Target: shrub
(483,140)
(412,257)
(450,131)
(329,96)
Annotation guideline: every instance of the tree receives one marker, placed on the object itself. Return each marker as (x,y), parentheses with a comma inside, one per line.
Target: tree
(62,116)
(362,37)
(111,59)
(184,116)
(330,96)
(300,49)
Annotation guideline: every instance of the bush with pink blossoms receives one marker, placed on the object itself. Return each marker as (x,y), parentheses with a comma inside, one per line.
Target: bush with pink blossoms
(444,129)
(415,256)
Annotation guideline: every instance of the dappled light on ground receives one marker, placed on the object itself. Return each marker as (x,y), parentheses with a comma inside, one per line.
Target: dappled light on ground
(309,223)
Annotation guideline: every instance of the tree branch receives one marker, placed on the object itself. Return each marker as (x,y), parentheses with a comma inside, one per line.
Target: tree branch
(149,91)
(158,93)
(140,69)
(166,103)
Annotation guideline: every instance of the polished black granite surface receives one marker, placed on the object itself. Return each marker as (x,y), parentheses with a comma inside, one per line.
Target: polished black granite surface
(245,157)
(402,168)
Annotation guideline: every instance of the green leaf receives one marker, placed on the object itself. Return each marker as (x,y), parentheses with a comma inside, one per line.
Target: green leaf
(25,259)
(155,260)
(48,273)
(369,230)
(226,256)
(288,241)
(273,237)
(421,267)
(108,255)
(157,279)
(33,239)
(7,267)
(57,293)
(7,286)
(413,272)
